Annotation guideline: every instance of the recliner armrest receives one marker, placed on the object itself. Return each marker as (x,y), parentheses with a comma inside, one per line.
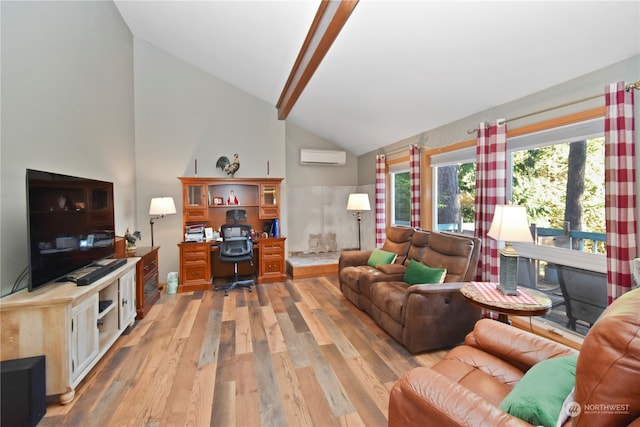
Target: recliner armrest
(427,398)
(432,288)
(392,270)
(353,258)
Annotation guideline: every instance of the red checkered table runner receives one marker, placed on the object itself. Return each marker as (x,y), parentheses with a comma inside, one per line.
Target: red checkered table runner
(490,292)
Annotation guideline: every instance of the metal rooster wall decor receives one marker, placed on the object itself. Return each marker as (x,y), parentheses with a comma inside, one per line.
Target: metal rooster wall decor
(229,167)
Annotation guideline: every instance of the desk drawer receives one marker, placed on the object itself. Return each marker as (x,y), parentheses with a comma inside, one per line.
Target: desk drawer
(195,266)
(150,264)
(272,247)
(194,272)
(194,253)
(272,265)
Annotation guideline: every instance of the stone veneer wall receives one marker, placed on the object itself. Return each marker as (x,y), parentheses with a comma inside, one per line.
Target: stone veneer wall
(323,210)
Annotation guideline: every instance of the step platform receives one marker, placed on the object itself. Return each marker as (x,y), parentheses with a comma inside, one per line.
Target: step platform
(302,266)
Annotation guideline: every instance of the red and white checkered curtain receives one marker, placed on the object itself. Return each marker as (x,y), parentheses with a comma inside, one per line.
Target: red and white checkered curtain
(414,176)
(491,188)
(381,184)
(620,192)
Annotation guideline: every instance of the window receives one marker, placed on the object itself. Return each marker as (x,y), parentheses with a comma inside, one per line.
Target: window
(400,198)
(454,189)
(456,193)
(559,176)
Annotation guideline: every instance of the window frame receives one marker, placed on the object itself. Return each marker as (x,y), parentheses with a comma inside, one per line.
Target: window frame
(583,125)
(401,167)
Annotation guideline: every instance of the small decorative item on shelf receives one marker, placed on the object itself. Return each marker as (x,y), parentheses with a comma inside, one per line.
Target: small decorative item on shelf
(218,201)
(232,200)
(130,239)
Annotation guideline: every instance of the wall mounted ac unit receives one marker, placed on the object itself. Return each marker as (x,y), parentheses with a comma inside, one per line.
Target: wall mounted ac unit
(322,157)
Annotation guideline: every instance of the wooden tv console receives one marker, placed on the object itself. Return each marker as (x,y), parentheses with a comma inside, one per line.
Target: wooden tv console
(72,326)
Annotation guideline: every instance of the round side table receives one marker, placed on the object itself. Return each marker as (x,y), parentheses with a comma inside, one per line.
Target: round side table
(503,308)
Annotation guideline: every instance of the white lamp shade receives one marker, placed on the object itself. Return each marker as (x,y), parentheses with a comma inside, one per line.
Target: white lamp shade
(162,206)
(358,202)
(510,224)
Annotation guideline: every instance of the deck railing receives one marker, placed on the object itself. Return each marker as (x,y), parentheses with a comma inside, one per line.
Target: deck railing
(585,241)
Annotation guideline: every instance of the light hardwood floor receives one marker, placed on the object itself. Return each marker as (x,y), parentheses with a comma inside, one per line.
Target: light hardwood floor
(287,354)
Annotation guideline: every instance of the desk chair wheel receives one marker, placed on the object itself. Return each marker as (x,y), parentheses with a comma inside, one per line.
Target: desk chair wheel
(248,284)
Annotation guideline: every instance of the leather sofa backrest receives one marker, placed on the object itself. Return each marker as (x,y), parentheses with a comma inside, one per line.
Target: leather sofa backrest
(455,252)
(419,244)
(398,240)
(608,370)
(522,349)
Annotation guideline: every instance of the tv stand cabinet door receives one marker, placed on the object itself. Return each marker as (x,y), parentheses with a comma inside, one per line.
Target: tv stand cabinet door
(84,336)
(127,309)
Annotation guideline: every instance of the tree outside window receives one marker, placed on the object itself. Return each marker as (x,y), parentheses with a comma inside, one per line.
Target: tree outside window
(401,198)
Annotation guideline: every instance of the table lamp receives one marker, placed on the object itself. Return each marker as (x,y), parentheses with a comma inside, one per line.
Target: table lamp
(509,224)
(160,206)
(358,202)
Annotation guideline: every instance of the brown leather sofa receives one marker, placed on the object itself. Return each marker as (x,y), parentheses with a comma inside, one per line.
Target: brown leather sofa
(420,317)
(466,387)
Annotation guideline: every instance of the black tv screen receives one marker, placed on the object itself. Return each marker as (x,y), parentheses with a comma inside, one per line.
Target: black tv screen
(70,221)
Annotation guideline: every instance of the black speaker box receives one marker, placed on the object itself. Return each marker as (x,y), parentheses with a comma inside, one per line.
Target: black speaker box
(23,401)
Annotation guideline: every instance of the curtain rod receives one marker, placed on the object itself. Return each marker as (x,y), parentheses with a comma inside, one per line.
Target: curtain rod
(404,148)
(627,87)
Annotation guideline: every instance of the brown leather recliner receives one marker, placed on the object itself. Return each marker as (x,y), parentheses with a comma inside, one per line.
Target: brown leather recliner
(352,264)
(466,387)
(420,317)
(430,316)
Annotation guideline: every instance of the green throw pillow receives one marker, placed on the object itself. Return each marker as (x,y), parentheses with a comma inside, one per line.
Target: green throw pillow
(417,273)
(380,257)
(538,396)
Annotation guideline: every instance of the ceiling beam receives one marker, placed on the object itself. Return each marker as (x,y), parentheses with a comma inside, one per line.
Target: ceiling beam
(329,20)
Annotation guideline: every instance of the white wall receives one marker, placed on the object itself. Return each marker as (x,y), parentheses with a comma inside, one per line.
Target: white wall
(318,194)
(67,107)
(183,114)
(582,87)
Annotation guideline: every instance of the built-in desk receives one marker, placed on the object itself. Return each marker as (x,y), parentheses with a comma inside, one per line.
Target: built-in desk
(205,204)
(200,263)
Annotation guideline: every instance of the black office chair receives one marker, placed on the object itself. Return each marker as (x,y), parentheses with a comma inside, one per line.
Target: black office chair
(236,246)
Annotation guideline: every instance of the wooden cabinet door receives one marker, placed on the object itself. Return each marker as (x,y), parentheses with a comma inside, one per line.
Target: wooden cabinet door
(269,199)
(127,297)
(195,202)
(84,335)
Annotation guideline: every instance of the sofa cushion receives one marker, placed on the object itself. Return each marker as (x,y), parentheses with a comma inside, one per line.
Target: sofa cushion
(481,372)
(398,241)
(389,298)
(381,257)
(539,395)
(417,273)
(453,252)
(350,276)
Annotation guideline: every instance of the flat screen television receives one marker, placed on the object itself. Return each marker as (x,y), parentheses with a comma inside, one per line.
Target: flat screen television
(70,222)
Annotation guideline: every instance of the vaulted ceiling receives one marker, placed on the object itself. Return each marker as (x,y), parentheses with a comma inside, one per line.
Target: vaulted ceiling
(397,68)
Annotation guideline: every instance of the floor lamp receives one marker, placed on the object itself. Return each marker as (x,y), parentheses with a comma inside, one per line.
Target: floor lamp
(160,206)
(358,202)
